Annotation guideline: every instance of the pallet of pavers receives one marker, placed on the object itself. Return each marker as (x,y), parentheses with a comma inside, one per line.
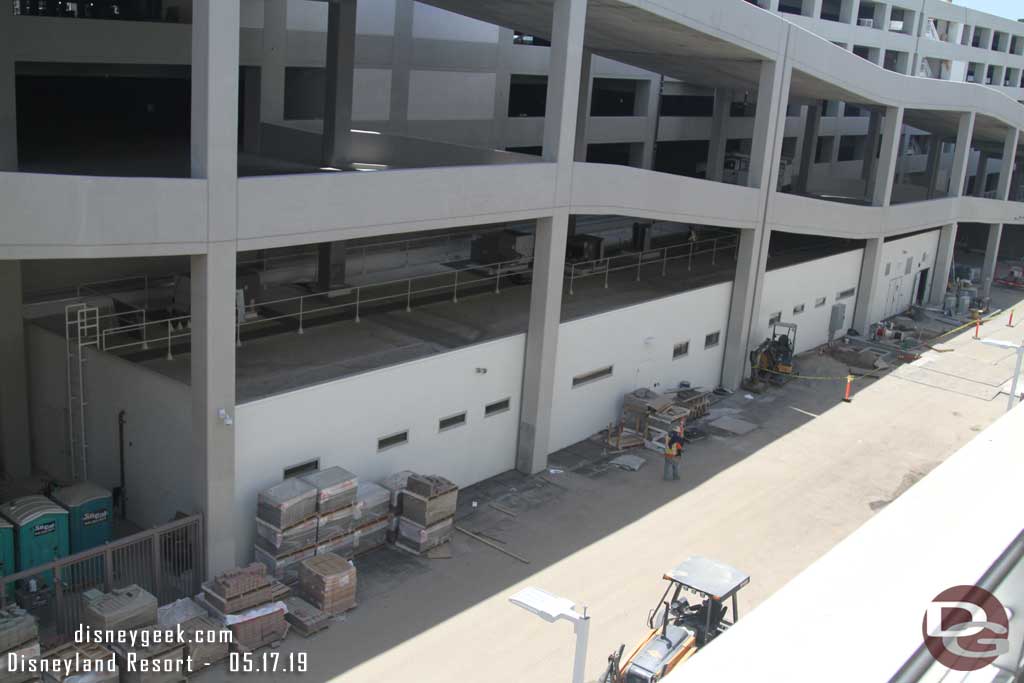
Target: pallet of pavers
(285,567)
(429,499)
(371,536)
(159,662)
(89,662)
(19,637)
(207,648)
(255,627)
(331,525)
(120,609)
(287,504)
(373,502)
(328,582)
(281,542)
(305,618)
(239,589)
(418,539)
(22,653)
(336,488)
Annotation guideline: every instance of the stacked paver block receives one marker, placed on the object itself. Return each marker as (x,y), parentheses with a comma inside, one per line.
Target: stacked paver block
(286,526)
(242,599)
(74,670)
(428,513)
(203,653)
(160,662)
(304,617)
(120,609)
(19,635)
(328,582)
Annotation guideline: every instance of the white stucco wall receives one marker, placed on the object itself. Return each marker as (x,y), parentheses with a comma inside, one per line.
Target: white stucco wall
(438,24)
(897,290)
(467,95)
(803,285)
(316,422)
(638,342)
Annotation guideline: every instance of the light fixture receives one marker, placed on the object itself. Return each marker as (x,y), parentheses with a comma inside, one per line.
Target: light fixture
(365,132)
(359,166)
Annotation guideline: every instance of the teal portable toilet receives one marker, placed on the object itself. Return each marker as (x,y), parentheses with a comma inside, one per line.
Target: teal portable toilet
(40,531)
(7,563)
(90,514)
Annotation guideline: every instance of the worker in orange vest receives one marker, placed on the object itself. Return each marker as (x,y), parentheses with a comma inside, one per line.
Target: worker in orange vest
(673,454)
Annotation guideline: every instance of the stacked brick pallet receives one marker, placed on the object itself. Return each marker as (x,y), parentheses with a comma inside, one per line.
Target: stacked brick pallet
(81,662)
(428,513)
(19,635)
(243,600)
(328,582)
(286,527)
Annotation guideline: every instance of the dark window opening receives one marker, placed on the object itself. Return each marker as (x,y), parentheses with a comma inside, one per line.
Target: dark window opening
(497,407)
(535,151)
(527,95)
(613,97)
(687,105)
(587,378)
(712,340)
(387,442)
(302,468)
(451,422)
(618,153)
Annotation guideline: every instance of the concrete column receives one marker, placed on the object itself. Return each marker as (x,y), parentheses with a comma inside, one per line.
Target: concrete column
(812,8)
(274,59)
(401,67)
(330,265)
(812,128)
(502,83)
(934,163)
(945,256)
(341,58)
(583,110)
(995,232)
(871,149)
(551,234)
(885,170)
(981,175)
(865,311)
(15,445)
(8,108)
(849,11)
(943,264)
(215,44)
(901,160)
(752,257)
(719,135)
(650,149)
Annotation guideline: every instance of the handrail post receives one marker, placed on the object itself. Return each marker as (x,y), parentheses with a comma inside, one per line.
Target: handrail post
(408,298)
(407,253)
(145,344)
(58,592)
(455,291)
(639,263)
(572,277)
(736,249)
(170,356)
(689,261)
(238,331)
(157,561)
(664,262)
(364,261)
(358,290)
(607,269)
(714,250)
(302,302)
(497,281)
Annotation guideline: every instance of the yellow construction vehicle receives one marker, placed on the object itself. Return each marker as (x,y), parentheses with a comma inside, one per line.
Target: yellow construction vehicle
(772,360)
(679,629)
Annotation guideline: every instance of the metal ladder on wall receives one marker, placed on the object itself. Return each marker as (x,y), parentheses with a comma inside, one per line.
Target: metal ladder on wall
(81,331)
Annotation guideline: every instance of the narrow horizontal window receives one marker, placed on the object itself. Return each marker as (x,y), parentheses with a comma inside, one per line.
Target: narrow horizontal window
(302,468)
(681,349)
(820,301)
(775,317)
(587,378)
(711,340)
(797,310)
(451,422)
(497,407)
(387,442)
(846,294)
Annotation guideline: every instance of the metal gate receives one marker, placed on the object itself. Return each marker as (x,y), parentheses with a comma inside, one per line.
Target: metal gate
(168,561)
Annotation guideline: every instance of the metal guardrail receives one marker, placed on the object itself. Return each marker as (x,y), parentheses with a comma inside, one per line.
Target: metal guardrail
(168,561)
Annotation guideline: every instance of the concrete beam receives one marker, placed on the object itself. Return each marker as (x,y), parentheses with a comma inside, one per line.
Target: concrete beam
(650,150)
(551,235)
(871,148)
(719,137)
(339,82)
(932,168)
(8,105)
(885,170)
(215,44)
(870,271)
(769,122)
(962,155)
(583,110)
(330,265)
(15,443)
(981,175)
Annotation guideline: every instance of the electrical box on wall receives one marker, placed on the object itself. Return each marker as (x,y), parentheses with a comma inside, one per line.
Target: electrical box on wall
(837,320)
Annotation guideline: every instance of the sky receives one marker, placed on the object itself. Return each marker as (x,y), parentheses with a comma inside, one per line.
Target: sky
(1011,9)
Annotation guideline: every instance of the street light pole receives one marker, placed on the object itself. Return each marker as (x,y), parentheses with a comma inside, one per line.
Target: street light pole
(552,608)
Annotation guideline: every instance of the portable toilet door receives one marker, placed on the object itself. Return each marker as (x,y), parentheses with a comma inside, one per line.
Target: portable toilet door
(40,532)
(90,514)
(7,561)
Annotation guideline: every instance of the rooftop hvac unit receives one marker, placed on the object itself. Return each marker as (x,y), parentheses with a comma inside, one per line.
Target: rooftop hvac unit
(866,23)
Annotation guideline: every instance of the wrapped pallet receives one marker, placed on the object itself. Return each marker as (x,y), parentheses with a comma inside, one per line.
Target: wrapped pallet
(429,511)
(178,612)
(373,502)
(17,627)
(291,502)
(418,538)
(122,608)
(329,583)
(395,485)
(286,541)
(284,567)
(331,525)
(336,488)
(158,662)
(259,626)
(343,546)
(371,536)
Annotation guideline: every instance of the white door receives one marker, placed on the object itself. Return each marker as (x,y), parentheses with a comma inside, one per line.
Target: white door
(645,378)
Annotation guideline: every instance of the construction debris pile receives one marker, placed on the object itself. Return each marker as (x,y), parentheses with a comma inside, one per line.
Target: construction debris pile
(648,417)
